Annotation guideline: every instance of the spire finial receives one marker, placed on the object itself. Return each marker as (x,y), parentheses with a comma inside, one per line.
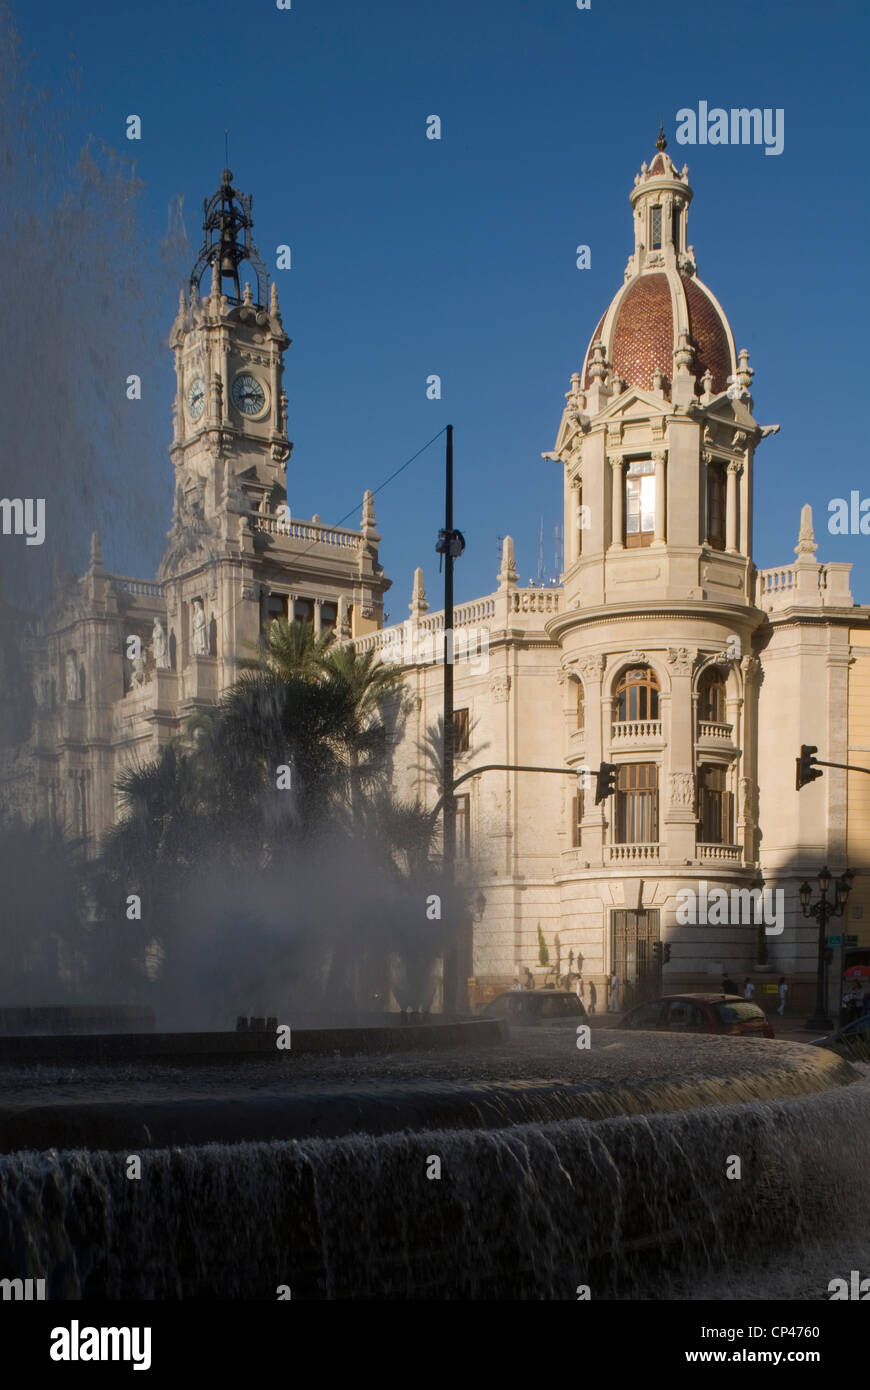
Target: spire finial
(661,142)
(806,538)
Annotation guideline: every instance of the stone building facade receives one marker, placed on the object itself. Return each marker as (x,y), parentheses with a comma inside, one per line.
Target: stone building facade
(119,663)
(662,651)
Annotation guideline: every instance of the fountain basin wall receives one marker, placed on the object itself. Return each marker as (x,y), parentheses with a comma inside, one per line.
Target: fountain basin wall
(457,1175)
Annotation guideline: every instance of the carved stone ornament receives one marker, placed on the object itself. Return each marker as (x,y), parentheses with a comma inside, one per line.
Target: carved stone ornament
(751,668)
(682,789)
(681,660)
(591,666)
(500,687)
(749,801)
(637,658)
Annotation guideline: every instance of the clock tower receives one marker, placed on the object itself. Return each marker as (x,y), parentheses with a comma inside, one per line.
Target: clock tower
(235,558)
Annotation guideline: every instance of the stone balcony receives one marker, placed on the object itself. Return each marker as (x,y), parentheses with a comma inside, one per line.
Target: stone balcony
(636,731)
(710,733)
(620,854)
(722,854)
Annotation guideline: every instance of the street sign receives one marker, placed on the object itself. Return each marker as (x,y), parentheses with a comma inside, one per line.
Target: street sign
(850,941)
(835,940)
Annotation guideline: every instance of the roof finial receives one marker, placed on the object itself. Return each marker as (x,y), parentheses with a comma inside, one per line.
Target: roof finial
(661,142)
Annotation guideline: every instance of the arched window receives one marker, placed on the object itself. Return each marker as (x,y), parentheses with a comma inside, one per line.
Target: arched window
(581,706)
(637,695)
(711,697)
(655,228)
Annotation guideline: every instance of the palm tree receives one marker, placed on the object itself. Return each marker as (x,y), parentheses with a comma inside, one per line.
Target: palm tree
(369,686)
(289,649)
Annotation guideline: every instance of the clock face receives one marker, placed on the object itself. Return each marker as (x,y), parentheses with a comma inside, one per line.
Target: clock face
(248,395)
(196,398)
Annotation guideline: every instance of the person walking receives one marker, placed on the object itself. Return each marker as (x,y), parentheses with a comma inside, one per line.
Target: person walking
(516,986)
(783,995)
(748,988)
(613,992)
(578,987)
(593,996)
(728,985)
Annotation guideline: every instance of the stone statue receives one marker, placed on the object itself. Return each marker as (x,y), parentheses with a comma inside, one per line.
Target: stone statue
(158,646)
(137,676)
(200,636)
(72,677)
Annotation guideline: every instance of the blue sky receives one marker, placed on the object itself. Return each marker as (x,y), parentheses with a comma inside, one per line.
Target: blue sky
(456,257)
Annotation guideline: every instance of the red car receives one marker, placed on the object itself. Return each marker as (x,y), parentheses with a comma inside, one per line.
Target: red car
(700,1013)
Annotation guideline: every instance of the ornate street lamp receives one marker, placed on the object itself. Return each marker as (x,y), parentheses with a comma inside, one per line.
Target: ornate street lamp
(823,911)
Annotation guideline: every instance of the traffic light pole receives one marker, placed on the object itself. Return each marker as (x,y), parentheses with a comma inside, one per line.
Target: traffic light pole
(500,767)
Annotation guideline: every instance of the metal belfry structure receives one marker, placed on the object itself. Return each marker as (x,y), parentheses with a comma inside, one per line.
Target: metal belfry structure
(227,222)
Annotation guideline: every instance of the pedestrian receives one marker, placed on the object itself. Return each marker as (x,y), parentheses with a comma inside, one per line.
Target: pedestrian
(579,989)
(728,985)
(783,995)
(516,985)
(613,994)
(748,988)
(530,983)
(593,996)
(853,1002)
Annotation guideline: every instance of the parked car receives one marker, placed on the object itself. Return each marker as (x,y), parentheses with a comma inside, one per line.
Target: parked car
(700,1013)
(536,1007)
(852,1040)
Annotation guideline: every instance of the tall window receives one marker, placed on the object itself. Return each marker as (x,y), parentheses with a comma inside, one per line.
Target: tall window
(463,826)
(716,808)
(716,506)
(711,698)
(460,731)
(655,229)
(640,502)
(581,706)
(275,606)
(675,228)
(576,818)
(303,610)
(637,695)
(637,804)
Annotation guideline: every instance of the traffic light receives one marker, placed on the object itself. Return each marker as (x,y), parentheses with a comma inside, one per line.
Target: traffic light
(805,766)
(667,952)
(605,784)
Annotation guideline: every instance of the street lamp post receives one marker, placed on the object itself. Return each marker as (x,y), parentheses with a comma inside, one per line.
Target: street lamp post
(824,911)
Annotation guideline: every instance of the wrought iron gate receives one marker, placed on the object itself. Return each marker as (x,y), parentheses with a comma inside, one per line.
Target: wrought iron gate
(638,971)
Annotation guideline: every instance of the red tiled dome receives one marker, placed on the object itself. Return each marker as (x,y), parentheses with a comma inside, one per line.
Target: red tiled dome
(642,336)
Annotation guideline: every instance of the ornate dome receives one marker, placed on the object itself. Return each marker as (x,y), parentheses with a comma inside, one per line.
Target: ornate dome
(662,307)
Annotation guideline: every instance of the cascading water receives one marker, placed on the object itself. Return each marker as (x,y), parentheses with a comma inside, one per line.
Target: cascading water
(635,1206)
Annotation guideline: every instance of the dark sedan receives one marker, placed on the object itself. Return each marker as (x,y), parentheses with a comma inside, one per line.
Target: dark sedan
(700,1013)
(535,1007)
(852,1040)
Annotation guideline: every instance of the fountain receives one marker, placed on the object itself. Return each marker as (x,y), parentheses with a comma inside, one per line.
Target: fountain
(528,1169)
